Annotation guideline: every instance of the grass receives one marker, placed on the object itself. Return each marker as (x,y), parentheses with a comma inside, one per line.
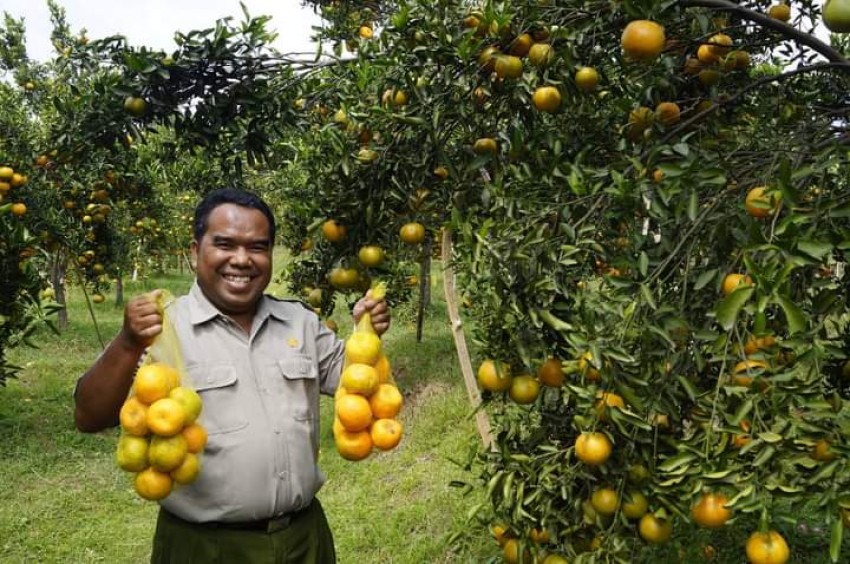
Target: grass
(63,499)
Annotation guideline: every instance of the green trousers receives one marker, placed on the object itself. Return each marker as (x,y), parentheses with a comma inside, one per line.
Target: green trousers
(306,539)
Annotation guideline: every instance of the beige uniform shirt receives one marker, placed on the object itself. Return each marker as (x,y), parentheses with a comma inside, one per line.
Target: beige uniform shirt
(261,407)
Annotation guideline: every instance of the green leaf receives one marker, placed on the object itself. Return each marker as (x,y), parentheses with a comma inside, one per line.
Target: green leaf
(647,295)
(835,540)
(676,461)
(727,311)
(705,278)
(643,263)
(793,315)
(693,205)
(816,249)
(769,437)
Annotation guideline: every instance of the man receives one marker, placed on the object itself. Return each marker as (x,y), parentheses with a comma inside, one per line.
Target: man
(259,365)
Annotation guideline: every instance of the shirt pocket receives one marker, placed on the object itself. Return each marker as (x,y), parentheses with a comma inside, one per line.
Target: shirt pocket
(218,386)
(299,378)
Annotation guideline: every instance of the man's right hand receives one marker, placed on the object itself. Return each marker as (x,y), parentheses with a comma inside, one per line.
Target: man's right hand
(142,320)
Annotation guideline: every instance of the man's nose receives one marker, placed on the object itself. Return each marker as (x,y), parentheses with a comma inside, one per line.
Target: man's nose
(241,256)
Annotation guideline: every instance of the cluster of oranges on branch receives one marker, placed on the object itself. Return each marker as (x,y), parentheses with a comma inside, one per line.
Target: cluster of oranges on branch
(10,179)
(161,438)
(367,402)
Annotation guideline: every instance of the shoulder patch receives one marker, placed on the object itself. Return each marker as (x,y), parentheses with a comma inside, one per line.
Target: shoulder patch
(300,302)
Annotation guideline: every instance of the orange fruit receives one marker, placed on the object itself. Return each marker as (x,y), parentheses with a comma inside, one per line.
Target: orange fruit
(539,537)
(586,367)
(822,451)
(196,437)
(188,470)
(606,400)
(363,348)
(759,204)
(167,453)
(386,402)
(508,66)
(132,453)
(353,445)
(706,55)
(511,552)
(593,448)
(487,58)
(720,44)
(555,559)
(18,209)
(710,511)
(386,433)
(166,417)
(485,146)
(733,280)
(6,172)
(135,106)
(643,40)
(546,99)
(154,381)
(781,12)
(605,501)
(755,344)
(134,417)
(551,373)
(668,113)
(412,233)
(587,78)
(152,484)
(634,505)
(359,379)
(540,54)
(353,412)
(342,278)
(365,32)
(521,45)
(741,371)
(655,530)
(441,172)
(190,400)
(383,368)
(371,255)
(524,389)
(333,231)
(494,377)
(767,548)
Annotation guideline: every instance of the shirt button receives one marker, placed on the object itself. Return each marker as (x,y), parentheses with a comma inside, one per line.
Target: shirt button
(283,475)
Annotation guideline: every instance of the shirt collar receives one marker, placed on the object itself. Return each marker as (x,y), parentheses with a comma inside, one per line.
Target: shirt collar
(202,310)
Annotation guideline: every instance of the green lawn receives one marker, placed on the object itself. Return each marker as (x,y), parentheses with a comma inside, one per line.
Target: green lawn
(63,499)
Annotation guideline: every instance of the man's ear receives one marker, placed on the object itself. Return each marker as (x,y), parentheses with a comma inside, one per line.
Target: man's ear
(193,248)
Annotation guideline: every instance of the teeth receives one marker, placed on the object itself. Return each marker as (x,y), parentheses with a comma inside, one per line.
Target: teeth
(239,279)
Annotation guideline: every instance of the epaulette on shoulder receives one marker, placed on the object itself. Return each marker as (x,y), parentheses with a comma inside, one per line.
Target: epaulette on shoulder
(300,302)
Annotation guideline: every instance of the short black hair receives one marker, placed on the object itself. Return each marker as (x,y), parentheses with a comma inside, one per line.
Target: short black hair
(215,198)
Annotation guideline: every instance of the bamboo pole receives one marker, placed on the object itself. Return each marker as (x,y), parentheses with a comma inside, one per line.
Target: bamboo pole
(481,419)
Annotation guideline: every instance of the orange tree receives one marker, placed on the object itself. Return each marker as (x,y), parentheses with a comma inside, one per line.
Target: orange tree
(604,170)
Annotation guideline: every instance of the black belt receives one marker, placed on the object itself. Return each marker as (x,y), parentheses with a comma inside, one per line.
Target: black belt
(269,526)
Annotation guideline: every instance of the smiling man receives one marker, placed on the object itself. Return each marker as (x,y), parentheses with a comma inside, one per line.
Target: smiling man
(259,364)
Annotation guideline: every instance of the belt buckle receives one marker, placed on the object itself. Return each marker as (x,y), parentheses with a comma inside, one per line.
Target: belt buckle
(278,523)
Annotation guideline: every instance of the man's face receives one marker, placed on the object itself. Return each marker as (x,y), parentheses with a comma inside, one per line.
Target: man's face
(234,259)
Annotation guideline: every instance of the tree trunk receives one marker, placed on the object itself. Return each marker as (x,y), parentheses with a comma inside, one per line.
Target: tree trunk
(57,279)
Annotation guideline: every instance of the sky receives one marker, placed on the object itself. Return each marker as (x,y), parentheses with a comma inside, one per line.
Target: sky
(153,22)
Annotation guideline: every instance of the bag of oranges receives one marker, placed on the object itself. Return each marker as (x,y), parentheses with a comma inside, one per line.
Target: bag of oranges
(367,403)
(161,438)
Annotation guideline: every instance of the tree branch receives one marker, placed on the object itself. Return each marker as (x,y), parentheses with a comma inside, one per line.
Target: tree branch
(766,21)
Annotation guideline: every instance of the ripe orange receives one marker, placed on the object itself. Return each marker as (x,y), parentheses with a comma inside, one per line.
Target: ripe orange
(524,389)
(655,530)
(383,368)
(720,44)
(353,412)
(781,12)
(586,367)
(363,348)
(708,77)
(371,255)
(166,417)
(386,402)
(334,231)
(643,40)
(634,505)
(508,66)
(190,400)
(593,448)
(555,559)
(759,204)
(18,180)
(734,280)
(540,54)
(134,417)
(710,511)
(196,437)
(587,78)
(167,453)
(511,552)
(551,373)
(6,173)
(135,106)
(485,145)
(18,209)
(359,379)
(657,175)
(365,32)
(546,99)
(706,55)
(412,233)
(353,446)
(152,484)
(154,381)
(607,400)
(521,45)
(741,371)
(668,113)
(767,548)
(132,453)
(188,470)
(441,172)
(605,501)
(342,278)
(539,537)
(822,451)
(386,433)
(487,58)
(494,377)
